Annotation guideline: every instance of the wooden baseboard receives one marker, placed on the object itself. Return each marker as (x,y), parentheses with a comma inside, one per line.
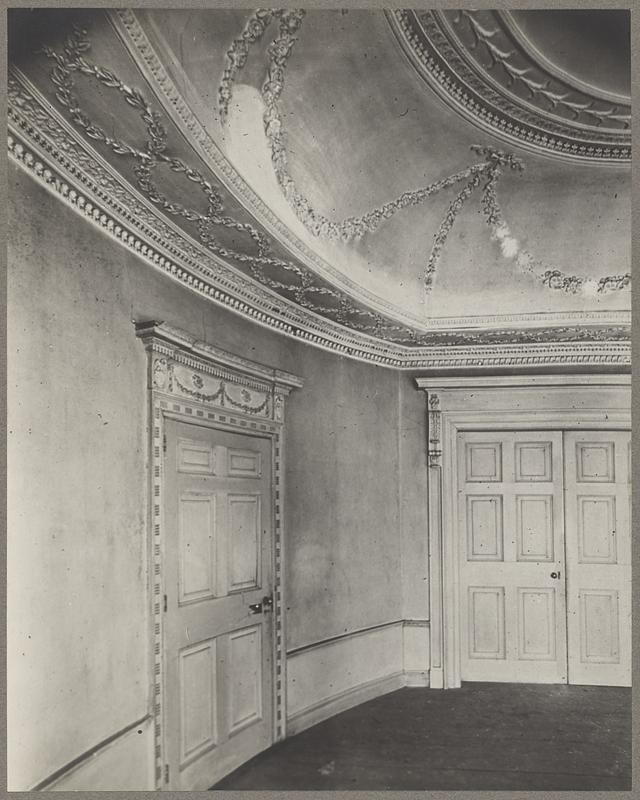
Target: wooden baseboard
(341,702)
(414,677)
(436,678)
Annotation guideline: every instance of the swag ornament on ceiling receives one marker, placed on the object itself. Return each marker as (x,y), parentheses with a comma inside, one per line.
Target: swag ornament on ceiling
(486,173)
(303,285)
(56,141)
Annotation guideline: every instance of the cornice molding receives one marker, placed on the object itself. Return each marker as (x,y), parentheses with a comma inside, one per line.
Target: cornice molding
(551,117)
(72,171)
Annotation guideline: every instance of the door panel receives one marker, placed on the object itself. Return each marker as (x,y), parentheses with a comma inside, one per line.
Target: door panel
(510,508)
(197,699)
(533,461)
(486,622)
(218,562)
(598,512)
(196,546)
(596,529)
(243,519)
(537,624)
(245,686)
(534,528)
(600,623)
(484,528)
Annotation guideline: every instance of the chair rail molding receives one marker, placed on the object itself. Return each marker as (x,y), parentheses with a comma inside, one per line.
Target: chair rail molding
(191,380)
(496,403)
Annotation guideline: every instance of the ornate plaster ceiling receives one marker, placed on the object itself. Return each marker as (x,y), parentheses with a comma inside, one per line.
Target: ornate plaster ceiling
(556,83)
(307,170)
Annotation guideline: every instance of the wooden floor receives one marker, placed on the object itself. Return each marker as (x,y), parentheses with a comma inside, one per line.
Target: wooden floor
(482,736)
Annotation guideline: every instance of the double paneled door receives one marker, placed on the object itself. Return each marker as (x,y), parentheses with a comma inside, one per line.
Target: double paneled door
(218,620)
(545,576)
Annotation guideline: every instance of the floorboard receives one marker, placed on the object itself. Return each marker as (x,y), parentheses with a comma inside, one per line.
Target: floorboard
(480,737)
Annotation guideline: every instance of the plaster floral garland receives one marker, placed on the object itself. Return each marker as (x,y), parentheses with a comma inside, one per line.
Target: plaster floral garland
(350,228)
(303,287)
(223,395)
(525,261)
(237,54)
(156,152)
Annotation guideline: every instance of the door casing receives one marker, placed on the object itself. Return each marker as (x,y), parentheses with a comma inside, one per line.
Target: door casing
(502,403)
(247,398)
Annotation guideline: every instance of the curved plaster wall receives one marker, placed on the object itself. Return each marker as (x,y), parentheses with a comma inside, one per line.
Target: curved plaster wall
(79,639)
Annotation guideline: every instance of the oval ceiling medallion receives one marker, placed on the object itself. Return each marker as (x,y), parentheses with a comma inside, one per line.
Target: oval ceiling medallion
(504,76)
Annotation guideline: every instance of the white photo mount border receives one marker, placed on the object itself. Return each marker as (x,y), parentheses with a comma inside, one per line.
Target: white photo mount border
(247,398)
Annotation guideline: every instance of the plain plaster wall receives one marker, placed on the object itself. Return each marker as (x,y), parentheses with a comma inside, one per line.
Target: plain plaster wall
(412,439)
(78,632)
(343,560)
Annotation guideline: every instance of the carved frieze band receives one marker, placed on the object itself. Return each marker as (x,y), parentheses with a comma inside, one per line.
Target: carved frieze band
(212,376)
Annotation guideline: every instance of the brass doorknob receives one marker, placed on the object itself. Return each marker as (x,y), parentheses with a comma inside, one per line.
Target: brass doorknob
(264,607)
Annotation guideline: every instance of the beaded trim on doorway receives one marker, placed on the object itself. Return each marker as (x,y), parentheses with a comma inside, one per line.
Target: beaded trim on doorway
(487,172)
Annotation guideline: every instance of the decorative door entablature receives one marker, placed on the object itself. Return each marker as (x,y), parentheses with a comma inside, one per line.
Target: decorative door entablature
(189,369)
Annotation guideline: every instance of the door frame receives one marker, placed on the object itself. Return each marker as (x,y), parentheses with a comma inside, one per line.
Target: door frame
(501,403)
(191,381)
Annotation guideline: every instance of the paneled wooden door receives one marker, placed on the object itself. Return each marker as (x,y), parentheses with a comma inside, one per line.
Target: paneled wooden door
(217,565)
(598,540)
(512,590)
(545,556)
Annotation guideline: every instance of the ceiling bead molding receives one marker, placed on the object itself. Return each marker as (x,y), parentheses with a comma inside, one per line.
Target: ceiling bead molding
(482,66)
(487,173)
(59,155)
